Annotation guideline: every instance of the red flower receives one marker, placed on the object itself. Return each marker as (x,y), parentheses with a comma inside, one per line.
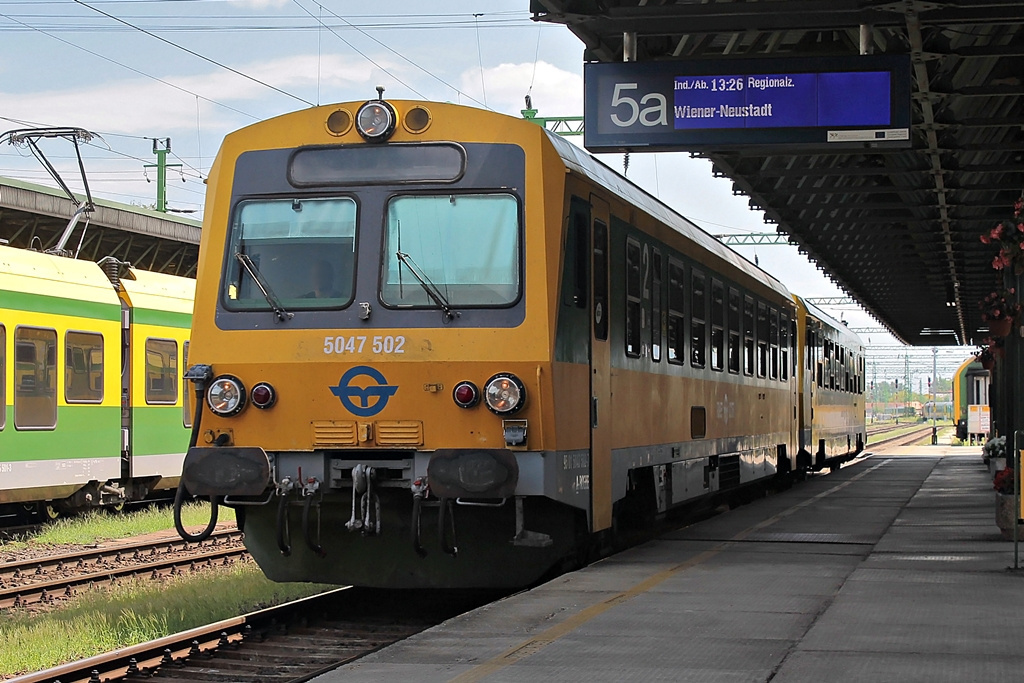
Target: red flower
(1003,481)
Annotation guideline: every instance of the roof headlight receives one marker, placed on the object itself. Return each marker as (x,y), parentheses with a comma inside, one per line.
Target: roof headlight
(226,395)
(504,394)
(376,121)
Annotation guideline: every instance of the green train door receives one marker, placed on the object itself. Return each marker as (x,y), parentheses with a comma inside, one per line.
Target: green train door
(600,372)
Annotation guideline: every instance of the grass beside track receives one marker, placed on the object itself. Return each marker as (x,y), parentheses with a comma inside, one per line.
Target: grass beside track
(136,611)
(98,525)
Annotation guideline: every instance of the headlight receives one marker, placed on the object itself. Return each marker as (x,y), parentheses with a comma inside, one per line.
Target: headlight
(226,395)
(504,394)
(375,121)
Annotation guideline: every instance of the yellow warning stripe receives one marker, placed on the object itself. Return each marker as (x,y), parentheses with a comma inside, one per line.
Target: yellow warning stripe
(545,638)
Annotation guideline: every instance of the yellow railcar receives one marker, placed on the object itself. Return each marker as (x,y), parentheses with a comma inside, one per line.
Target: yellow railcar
(424,330)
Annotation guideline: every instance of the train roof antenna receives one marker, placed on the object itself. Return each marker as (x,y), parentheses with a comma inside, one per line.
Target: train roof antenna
(29,137)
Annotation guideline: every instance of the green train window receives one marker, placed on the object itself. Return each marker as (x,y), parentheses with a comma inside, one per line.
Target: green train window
(161,371)
(3,376)
(35,378)
(633,292)
(762,339)
(717,324)
(464,246)
(773,337)
(83,367)
(784,348)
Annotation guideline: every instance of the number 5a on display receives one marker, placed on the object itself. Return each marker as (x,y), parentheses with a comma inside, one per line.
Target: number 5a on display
(656,114)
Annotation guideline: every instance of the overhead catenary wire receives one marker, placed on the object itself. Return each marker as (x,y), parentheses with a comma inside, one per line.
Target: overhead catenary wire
(194,53)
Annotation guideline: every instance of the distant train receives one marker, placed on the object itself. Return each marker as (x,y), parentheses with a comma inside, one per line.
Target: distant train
(971,385)
(91,405)
(941,411)
(424,330)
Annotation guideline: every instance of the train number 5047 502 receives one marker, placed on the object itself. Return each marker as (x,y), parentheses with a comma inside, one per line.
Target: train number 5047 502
(378,344)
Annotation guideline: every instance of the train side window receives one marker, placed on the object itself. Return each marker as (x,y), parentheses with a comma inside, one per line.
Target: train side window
(773,339)
(656,313)
(577,259)
(698,316)
(762,339)
(676,297)
(187,390)
(633,293)
(35,378)
(3,376)
(734,331)
(83,367)
(717,325)
(600,281)
(748,335)
(161,371)
(784,347)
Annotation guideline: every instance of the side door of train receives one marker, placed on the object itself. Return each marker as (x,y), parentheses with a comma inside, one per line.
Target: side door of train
(600,370)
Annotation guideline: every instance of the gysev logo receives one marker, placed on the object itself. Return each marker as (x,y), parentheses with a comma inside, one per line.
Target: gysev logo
(372,399)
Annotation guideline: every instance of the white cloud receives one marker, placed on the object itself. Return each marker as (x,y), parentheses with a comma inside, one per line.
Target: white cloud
(556,92)
(145,106)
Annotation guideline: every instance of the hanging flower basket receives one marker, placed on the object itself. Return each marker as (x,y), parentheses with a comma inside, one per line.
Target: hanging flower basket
(1000,327)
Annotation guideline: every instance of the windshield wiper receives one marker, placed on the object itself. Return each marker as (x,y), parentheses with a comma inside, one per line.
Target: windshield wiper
(268,293)
(429,287)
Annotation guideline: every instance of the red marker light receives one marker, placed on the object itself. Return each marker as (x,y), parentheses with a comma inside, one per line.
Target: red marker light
(263,395)
(466,395)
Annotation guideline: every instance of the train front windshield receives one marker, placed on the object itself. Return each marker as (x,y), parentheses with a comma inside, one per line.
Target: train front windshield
(464,247)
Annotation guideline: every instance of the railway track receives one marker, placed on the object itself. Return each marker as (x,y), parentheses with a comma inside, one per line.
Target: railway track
(43,580)
(906,439)
(289,643)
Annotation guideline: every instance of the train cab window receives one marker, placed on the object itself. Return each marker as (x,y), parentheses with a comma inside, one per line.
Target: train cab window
(733,320)
(633,298)
(698,318)
(577,251)
(717,325)
(3,376)
(466,246)
(303,251)
(656,307)
(187,390)
(762,339)
(161,371)
(676,298)
(784,349)
(35,378)
(748,335)
(773,339)
(83,367)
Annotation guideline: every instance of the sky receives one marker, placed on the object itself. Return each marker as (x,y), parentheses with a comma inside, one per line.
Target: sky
(194,70)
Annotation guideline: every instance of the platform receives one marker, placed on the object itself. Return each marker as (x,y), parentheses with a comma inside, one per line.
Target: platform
(890,569)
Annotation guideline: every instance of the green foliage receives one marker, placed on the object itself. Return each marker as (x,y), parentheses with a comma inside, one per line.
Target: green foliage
(134,612)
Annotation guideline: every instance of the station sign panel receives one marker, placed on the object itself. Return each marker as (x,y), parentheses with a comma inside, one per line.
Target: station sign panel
(857,101)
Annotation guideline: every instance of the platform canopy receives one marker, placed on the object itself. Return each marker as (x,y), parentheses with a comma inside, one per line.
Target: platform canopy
(34,216)
(898,229)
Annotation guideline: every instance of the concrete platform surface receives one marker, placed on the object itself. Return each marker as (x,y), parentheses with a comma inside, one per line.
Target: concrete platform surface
(891,569)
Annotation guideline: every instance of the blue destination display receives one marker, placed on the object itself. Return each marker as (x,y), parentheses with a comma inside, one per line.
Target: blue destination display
(858,98)
(853,101)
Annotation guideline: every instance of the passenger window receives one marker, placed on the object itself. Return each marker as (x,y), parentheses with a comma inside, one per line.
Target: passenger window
(577,257)
(187,390)
(784,350)
(633,295)
(83,367)
(35,378)
(773,338)
(762,339)
(656,316)
(3,376)
(748,335)
(698,316)
(676,297)
(734,330)
(717,325)
(161,371)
